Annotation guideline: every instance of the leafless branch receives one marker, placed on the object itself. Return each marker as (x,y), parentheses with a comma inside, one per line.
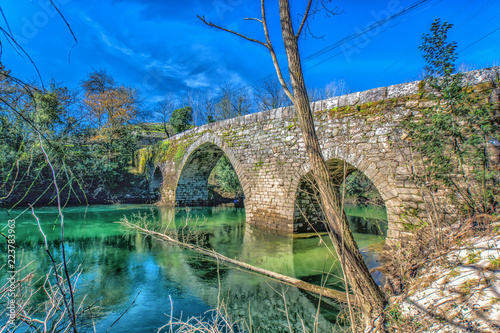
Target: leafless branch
(65,264)
(304,19)
(320,6)
(58,279)
(67,24)
(253,19)
(65,21)
(269,46)
(210,24)
(324,6)
(13,181)
(124,311)
(18,48)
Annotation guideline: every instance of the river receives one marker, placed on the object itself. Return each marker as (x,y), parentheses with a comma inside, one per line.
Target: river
(118,265)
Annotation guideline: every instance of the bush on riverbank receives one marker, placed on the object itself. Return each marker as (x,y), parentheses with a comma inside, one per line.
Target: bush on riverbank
(90,146)
(94,168)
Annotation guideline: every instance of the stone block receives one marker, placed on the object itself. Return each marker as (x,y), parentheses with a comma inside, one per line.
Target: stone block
(373,95)
(350,99)
(400,90)
(410,198)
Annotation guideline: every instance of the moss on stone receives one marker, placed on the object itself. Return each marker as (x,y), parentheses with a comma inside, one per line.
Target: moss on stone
(421,86)
(258,165)
(484,86)
(141,158)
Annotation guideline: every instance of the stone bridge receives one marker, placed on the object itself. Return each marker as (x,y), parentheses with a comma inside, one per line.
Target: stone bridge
(359,131)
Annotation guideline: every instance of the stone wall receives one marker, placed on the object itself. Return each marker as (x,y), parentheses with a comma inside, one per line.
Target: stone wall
(268,155)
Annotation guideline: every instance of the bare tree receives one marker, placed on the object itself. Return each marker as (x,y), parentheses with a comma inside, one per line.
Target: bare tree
(332,89)
(336,88)
(208,105)
(369,297)
(270,95)
(233,101)
(196,100)
(163,111)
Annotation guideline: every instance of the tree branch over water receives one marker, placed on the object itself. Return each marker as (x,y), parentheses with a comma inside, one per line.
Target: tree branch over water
(326,292)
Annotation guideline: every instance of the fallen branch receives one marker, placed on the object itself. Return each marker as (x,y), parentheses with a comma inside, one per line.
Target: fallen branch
(326,292)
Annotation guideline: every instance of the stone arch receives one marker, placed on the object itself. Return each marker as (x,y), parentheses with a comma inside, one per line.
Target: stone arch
(200,158)
(156,180)
(380,173)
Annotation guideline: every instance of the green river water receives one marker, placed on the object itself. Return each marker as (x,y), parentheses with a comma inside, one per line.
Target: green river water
(118,265)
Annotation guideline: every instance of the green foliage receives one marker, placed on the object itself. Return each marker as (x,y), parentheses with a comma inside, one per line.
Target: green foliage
(48,109)
(210,119)
(180,153)
(83,157)
(439,54)
(494,263)
(473,257)
(358,186)
(142,157)
(467,286)
(181,119)
(101,158)
(26,115)
(455,271)
(395,313)
(452,136)
(224,177)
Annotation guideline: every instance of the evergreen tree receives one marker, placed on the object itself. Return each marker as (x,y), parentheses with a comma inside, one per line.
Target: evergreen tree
(182,119)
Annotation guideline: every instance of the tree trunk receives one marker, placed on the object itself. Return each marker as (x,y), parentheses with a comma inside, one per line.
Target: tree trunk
(368,295)
(166,129)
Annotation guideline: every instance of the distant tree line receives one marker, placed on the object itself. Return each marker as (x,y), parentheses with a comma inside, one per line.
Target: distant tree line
(179,113)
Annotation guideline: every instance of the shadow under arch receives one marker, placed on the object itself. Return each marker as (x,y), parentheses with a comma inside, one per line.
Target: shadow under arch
(200,160)
(308,216)
(156,181)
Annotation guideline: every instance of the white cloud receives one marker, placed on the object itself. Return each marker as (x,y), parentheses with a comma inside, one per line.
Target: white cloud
(197,81)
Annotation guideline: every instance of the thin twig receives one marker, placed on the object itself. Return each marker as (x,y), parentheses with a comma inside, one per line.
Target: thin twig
(123,313)
(304,19)
(64,262)
(58,278)
(210,24)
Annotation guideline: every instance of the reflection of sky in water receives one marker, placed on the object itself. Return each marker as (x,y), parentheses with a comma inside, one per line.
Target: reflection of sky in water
(119,265)
(152,288)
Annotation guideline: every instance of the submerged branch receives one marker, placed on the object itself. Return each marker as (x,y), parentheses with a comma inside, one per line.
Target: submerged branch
(326,292)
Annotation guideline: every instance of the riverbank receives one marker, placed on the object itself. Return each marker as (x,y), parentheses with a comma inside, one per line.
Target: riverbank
(130,189)
(459,292)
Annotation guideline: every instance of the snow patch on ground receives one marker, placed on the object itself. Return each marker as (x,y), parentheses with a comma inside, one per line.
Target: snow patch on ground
(462,293)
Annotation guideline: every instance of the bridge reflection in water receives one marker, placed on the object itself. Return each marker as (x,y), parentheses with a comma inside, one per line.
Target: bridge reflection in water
(244,293)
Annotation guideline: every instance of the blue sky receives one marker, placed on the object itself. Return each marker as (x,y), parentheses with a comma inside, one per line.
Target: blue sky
(161,46)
